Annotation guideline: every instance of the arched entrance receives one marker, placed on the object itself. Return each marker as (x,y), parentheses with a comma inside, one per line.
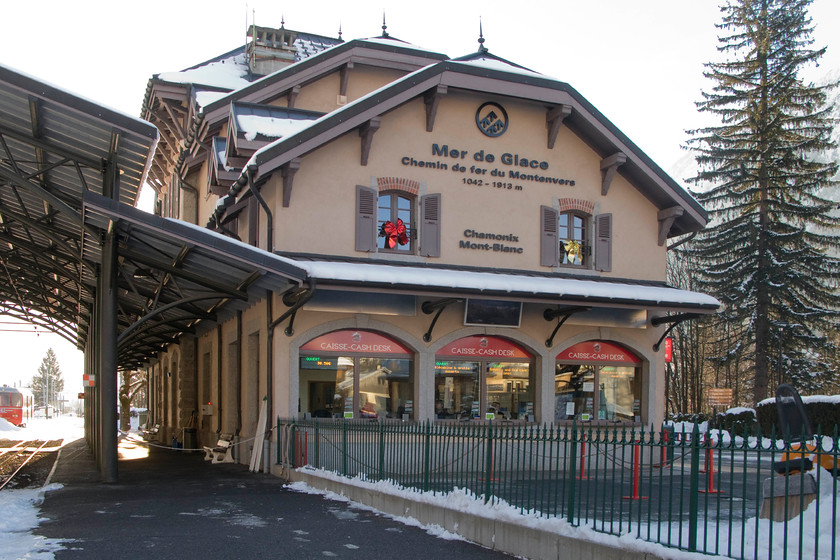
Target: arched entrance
(597,380)
(354,373)
(484,377)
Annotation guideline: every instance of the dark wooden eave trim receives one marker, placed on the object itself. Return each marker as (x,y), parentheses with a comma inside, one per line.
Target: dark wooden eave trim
(287,171)
(554,120)
(609,167)
(432,100)
(345,78)
(367,131)
(666,220)
(291,97)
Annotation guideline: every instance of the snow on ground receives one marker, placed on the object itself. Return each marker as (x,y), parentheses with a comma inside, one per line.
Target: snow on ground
(20,511)
(462,500)
(21,507)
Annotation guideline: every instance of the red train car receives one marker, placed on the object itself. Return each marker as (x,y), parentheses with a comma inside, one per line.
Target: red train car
(16,405)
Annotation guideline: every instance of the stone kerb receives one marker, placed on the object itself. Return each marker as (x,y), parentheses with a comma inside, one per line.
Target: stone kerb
(505,536)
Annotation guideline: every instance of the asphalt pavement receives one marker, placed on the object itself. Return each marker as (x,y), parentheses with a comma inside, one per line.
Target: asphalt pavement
(172,504)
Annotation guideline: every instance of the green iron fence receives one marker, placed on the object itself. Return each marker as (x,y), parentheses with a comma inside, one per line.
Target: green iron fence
(698,492)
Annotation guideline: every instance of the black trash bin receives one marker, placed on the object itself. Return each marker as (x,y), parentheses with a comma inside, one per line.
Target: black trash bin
(190,440)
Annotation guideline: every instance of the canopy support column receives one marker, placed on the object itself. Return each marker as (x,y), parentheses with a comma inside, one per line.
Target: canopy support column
(107,378)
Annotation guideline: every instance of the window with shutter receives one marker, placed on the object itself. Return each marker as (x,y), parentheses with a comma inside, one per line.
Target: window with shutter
(365,218)
(395,207)
(574,246)
(430,225)
(549,249)
(603,242)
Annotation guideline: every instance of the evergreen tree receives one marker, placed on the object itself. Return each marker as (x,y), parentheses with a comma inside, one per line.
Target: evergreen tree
(48,382)
(768,253)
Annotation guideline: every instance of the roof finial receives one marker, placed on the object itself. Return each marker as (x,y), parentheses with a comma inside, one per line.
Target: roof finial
(282,21)
(339,33)
(384,27)
(481,47)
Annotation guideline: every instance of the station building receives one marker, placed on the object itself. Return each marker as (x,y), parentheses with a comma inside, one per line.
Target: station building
(463,239)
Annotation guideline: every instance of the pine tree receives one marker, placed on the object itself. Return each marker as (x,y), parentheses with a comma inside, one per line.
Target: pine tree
(48,382)
(769,253)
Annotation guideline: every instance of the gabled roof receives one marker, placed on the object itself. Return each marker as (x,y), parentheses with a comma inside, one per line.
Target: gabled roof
(484,74)
(380,52)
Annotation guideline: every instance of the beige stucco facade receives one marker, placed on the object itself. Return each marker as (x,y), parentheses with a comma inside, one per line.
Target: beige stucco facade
(490,221)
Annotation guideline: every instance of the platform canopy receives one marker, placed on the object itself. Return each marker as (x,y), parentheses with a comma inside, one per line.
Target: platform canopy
(70,171)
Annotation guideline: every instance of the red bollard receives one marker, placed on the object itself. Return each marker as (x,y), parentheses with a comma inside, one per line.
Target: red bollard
(637,455)
(302,444)
(710,469)
(583,459)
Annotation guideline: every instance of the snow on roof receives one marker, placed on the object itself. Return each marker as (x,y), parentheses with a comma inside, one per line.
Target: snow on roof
(205,98)
(391,41)
(272,127)
(230,73)
(496,64)
(254,120)
(503,283)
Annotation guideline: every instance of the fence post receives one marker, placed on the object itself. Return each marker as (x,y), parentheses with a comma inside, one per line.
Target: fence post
(694,485)
(381,450)
(570,506)
(317,445)
(427,456)
(292,445)
(488,468)
(344,447)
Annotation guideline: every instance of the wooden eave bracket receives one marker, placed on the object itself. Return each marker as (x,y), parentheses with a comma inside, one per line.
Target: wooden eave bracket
(666,220)
(432,99)
(366,132)
(288,171)
(345,78)
(554,120)
(292,96)
(609,165)
(176,118)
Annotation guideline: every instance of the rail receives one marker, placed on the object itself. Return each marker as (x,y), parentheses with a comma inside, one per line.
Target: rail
(688,491)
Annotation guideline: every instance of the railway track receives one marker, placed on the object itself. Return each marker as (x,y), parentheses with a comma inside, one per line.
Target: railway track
(26,463)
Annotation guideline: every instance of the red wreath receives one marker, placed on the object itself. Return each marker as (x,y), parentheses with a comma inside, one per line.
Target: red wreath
(394,233)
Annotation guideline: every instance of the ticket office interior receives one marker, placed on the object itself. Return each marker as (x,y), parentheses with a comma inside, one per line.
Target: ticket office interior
(473,388)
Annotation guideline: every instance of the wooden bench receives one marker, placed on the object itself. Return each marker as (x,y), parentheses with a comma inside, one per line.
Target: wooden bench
(152,432)
(222,452)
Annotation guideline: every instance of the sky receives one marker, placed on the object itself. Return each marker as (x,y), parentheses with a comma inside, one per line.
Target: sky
(640,63)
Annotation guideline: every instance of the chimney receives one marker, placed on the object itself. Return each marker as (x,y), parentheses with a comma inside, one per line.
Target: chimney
(270,49)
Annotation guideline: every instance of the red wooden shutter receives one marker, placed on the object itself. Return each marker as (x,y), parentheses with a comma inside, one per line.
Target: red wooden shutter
(365,218)
(430,225)
(549,244)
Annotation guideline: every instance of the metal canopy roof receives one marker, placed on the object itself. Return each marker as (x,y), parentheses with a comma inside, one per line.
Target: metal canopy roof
(172,275)
(69,170)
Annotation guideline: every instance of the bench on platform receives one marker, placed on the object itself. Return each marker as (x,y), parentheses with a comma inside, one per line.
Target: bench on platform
(222,452)
(149,433)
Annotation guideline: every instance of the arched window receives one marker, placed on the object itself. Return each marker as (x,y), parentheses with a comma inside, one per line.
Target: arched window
(394,208)
(575,249)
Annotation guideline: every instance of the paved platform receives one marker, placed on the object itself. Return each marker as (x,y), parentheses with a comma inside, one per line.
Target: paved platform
(170,504)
